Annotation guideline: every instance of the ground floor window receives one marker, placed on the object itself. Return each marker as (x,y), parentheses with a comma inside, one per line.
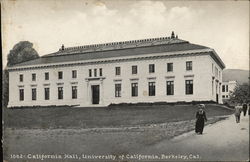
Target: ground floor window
(170,87)
(60,93)
(118,88)
(189,87)
(21,94)
(46,93)
(134,89)
(33,93)
(74,92)
(151,88)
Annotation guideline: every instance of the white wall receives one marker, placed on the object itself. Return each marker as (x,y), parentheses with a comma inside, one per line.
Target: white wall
(202,82)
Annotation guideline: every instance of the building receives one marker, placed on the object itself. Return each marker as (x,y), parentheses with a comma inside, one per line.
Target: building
(165,69)
(227,88)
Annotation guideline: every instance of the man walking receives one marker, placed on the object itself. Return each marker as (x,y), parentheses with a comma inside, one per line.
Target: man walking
(237,113)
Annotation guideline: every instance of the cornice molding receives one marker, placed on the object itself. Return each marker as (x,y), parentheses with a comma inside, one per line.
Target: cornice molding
(70,64)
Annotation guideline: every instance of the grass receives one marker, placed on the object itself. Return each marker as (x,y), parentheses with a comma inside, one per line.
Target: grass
(114,116)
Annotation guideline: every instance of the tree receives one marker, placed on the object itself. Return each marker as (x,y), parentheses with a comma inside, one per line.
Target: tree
(241,94)
(21,52)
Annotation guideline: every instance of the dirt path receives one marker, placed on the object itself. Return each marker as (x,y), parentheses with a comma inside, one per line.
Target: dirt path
(223,141)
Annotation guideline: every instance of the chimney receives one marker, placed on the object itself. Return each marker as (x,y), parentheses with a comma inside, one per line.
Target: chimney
(176,36)
(172,35)
(62,47)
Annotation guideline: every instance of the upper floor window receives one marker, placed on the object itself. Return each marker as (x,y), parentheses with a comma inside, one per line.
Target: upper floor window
(90,72)
(118,88)
(189,87)
(100,71)
(170,87)
(60,75)
(223,88)
(212,68)
(117,70)
(169,67)
(95,72)
(74,74)
(151,68)
(189,65)
(226,88)
(46,75)
(151,88)
(134,69)
(134,89)
(33,77)
(21,94)
(21,77)
(33,93)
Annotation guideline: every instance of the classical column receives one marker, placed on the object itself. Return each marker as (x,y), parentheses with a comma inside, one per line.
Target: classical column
(88,93)
(101,94)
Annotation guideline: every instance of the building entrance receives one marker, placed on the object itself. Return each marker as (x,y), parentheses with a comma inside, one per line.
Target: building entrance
(95,94)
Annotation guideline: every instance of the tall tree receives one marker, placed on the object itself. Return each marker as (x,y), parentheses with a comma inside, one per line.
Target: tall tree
(21,52)
(241,94)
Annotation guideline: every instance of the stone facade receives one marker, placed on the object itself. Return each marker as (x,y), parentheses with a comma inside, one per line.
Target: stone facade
(108,85)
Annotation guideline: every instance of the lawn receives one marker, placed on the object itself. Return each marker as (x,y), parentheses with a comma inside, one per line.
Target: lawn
(115,116)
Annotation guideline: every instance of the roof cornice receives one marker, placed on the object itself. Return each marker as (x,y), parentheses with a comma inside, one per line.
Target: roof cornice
(117,59)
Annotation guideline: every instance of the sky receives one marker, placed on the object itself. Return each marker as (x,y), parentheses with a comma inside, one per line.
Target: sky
(221,25)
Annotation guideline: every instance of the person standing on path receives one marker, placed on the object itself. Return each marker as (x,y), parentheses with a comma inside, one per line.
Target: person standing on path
(200,119)
(244,109)
(237,113)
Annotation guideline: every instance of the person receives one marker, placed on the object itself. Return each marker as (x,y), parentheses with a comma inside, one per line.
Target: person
(200,119)
(249,109)
(237,113)
(244,107)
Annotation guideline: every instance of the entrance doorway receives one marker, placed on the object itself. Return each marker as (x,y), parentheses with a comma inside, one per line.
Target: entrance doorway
(217,98)
(95,94)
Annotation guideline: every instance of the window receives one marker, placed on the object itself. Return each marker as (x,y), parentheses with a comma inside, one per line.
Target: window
(189,87)
(60,75)
(46,93)
(33,77)
(95,72)
(117,70)
(170,87)
(74,74)
(151,88)
(33,93)
(134,89)
(226,96)
(223,88)
(226,88)
(118,88)
(189,65)
(46,75)
(60,93)
(134,69)
(151,68)
(21,94)
(223,96)
(169,67)
(212,68)
(100,71)
(21,77)
(90,73)
(74,92)
(212,87)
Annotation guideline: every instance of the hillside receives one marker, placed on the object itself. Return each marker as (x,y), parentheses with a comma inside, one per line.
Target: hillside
(241,76)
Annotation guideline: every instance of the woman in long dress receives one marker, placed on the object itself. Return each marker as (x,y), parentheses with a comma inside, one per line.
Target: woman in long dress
(200,119)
